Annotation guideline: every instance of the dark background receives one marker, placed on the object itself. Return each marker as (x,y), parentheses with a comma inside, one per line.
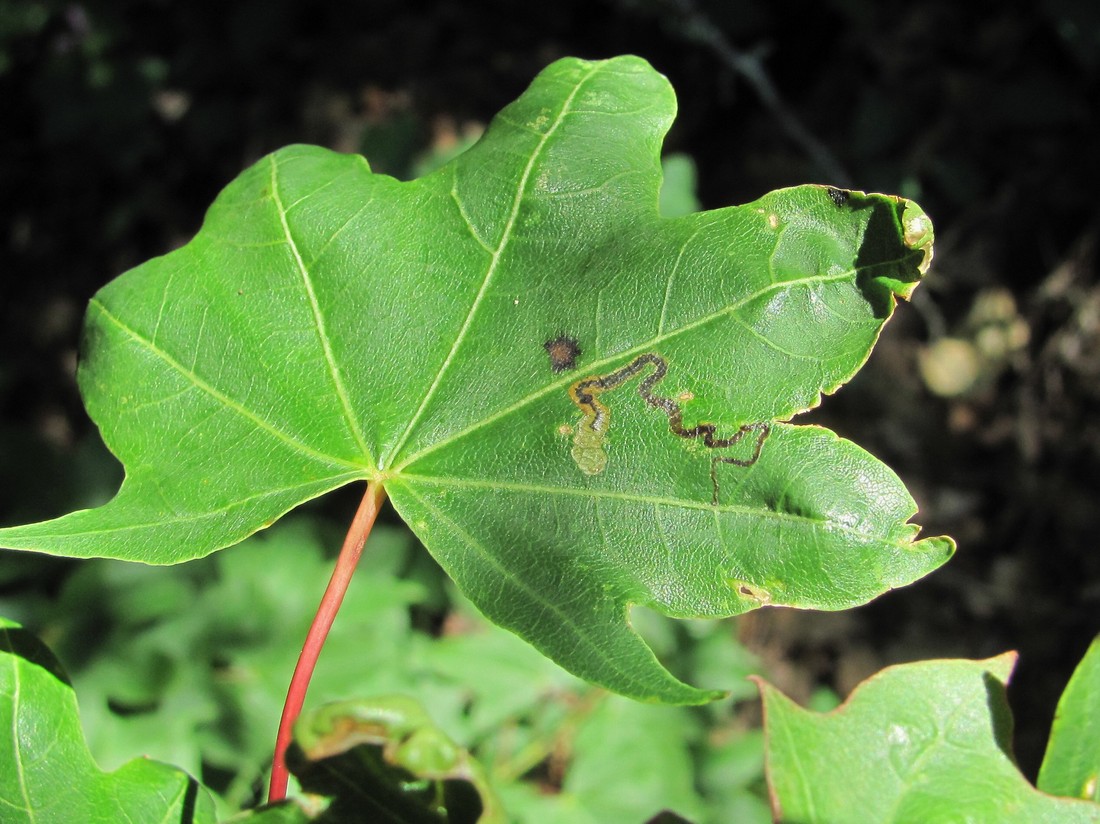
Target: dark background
(122,120)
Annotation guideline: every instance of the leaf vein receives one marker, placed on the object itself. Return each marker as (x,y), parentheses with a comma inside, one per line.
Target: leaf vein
(462,211)
(771,344)
(340,230)
(597,366)
(778,517)
(497,254)
(16,738)
(207,514)
(219,396)
(671,280)
(318,318)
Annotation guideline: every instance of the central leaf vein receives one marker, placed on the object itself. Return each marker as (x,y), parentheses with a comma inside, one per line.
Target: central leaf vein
(651,500)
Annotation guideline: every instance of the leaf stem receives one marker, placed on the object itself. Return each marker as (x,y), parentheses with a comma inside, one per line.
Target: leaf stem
(348,559)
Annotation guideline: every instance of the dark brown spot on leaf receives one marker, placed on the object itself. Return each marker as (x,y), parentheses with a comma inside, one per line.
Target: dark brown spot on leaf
(563,351)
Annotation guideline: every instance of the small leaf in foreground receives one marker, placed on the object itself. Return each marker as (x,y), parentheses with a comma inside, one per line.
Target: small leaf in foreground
(915,743)
(1071,766)
(328,325)
(47,775)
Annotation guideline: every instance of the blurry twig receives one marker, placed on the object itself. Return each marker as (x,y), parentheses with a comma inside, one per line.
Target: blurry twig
(701,29)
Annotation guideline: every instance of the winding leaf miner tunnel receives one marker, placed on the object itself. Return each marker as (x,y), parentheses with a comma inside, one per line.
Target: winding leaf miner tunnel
(589,451)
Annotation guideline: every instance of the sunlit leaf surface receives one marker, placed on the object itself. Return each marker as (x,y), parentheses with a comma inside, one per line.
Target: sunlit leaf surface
(566,395)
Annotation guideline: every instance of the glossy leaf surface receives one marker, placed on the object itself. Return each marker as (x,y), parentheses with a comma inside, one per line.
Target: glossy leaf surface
(47,775)
(328,324)
(914,743)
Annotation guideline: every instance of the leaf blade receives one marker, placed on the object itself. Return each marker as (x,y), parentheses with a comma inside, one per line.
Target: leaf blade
(916,742)
(47,774)
(1071,765)
(328,324)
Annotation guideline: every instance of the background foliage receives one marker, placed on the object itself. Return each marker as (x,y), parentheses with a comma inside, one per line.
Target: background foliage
(123,119)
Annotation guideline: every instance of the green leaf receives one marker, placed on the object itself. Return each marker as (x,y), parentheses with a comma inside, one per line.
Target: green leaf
(328,325)
(678,186)
(731,776)
(188,665)
(627,762)
(46,772)
(630,761)
(1071,766)
(914,743)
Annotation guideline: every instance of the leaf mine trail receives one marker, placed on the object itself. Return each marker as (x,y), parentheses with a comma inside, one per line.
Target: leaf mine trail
(588,450)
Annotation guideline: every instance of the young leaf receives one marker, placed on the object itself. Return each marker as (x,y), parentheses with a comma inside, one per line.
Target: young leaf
(328,324)
(919,742)
(1071,766)
(46,772)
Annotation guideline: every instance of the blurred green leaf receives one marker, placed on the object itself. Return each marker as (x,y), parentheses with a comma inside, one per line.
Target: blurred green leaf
(1071,766)
(631,760)
(627,762)
(718,658)
(915,743)
(677,196)
(47,775)
(482,683)
(731,777)
(190,664)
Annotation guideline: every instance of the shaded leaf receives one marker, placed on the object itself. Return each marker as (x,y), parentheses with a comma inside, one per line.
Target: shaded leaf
(630,761)
(196,657)
(328,324)
(678,186)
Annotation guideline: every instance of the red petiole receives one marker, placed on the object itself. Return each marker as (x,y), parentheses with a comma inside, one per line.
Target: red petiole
(350,553)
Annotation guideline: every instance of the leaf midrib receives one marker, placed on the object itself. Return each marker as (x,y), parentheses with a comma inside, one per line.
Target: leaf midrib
(652,500)
(318,316)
